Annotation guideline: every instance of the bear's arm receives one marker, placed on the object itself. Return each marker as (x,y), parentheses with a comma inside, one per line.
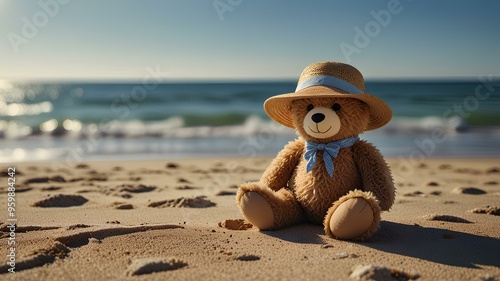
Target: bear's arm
(375,173)
(282,167)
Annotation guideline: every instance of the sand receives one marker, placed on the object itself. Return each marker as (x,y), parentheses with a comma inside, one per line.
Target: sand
(177,220)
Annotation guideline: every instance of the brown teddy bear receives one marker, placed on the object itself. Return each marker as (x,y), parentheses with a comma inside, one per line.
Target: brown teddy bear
(328,175)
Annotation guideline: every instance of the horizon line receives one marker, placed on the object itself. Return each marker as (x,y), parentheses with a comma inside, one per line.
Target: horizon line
(165,80)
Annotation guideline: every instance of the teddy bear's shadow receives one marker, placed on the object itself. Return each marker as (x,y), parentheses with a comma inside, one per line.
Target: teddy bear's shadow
(436,245)
(432,244)
(304,233)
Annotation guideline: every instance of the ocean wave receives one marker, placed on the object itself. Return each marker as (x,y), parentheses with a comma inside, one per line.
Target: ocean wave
(31,154)
(431,124)
(174,127)
(405,125)
(179,127)
(23,109)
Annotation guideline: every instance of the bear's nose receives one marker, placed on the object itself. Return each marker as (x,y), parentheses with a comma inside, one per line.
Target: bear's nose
(318,117)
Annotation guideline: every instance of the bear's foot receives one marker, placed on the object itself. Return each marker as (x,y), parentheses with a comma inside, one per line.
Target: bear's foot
(257,210)
(268,209)
(355,216)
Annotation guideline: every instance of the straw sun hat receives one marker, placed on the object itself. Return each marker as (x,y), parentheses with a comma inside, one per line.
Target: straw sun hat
(329,79)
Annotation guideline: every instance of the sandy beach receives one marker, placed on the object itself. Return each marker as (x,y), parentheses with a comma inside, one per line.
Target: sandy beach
(177,220)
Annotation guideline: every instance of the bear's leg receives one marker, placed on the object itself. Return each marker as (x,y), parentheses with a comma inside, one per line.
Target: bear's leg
(355,216)
(268,209)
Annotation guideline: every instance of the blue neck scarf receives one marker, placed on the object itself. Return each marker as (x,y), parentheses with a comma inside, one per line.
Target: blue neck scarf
(331,150)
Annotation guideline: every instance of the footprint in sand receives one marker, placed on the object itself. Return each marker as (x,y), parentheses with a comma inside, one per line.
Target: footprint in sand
(445,167)
(225,193)
(431,183)
(124,190)
(123,195)
(122,206)
(39,258)
(404,201)
(184,202)
(421,194)
(493,170)
(447,218)
(172,165)
(183,180)
(248,258)
(75,179)
(468,190)
(51,188)
(97,178)
(468,171)
(82,166)
(422,165)
(45,179)
(490,183)
(489,210)
(57,179)
(151,265)
(186,187)
(76,226)
(138,188)
(413,194)
(61,200)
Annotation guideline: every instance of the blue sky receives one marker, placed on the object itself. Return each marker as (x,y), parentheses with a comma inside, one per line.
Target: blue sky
(115,39)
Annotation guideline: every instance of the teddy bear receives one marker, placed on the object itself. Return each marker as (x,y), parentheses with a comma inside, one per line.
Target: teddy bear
(328,175)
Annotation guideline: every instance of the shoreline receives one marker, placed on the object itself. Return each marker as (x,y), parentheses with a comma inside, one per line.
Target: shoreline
(260,145)
(106,220)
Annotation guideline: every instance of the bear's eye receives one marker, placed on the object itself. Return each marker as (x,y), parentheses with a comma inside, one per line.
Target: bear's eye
(310,107)
(336,107)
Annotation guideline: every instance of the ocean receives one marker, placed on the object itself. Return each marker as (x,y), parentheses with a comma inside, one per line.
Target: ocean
(123,121)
